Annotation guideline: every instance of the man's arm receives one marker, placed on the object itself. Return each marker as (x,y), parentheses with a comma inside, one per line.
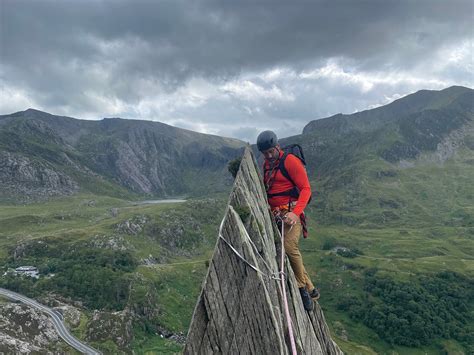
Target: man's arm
(298,174)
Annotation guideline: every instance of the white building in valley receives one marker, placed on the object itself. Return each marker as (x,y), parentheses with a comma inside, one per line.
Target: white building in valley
(31,271)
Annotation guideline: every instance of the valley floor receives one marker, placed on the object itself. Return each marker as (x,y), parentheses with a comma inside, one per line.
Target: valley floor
(132,273)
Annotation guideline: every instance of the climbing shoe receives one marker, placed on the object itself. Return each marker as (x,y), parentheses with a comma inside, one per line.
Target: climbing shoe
(314,294)
(307,300)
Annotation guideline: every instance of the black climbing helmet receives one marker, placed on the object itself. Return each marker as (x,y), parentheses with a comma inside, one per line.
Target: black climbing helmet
(266,140)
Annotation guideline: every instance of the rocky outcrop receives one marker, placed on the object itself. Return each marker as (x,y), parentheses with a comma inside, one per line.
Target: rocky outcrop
(25,330)
(72,315)
(112,242)
(21,176)
(115,326)
(132,226)
(450,145)
(241,309)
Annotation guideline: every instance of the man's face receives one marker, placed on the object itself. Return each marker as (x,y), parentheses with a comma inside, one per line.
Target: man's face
(271,154)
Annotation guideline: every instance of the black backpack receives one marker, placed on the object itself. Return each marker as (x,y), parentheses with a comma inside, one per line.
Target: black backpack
(297,151)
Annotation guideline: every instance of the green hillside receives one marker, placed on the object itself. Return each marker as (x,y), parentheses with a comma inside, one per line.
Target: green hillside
(391,225)
(114,255)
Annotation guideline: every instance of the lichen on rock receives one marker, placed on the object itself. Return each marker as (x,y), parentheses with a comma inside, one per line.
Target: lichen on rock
(24,330)
(115,326)
(240,309)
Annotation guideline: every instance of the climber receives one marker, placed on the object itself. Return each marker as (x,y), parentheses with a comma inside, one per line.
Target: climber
(288,191)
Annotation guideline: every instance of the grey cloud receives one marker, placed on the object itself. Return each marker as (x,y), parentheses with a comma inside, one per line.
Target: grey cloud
(183,38)
(71,56)
(248,134)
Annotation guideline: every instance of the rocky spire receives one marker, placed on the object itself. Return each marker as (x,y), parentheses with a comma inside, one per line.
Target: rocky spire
(240,309)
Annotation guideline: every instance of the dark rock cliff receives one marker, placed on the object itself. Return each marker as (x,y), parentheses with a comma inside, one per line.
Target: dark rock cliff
(43,155)
(21,176)
(241,310)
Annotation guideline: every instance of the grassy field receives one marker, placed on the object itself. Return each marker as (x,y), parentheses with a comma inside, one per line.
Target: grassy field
(399,253)
(177,238)
(407,224)
(339,276)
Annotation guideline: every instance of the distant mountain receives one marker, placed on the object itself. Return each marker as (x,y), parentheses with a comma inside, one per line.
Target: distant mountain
(45,155)
(392,214)
(400,130)
(455,97)
(361,164)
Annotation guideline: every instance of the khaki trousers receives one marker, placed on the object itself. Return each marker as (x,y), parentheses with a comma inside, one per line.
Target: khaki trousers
(292,238)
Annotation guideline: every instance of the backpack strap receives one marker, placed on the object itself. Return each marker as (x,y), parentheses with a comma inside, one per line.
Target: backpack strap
(294,191)
(283,170)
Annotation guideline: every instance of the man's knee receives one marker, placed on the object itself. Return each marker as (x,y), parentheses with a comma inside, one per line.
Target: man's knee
(293,232)
(293,252)
(291,243)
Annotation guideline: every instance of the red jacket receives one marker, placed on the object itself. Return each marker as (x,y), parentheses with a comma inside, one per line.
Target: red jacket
(297,172)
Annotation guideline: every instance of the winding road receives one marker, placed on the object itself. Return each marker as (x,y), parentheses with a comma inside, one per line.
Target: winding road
(57,321)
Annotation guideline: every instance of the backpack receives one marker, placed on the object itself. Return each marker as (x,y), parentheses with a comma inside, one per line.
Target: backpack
(297,151)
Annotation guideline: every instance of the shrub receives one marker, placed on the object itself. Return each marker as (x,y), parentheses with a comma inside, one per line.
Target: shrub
(415,313)
(233,166)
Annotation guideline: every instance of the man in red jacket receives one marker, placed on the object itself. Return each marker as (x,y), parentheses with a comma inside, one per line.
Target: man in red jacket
(288,197)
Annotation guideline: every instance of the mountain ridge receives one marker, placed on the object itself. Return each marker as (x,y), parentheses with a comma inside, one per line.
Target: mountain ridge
(349,162)
(408,104)
(378,222)
(140,157)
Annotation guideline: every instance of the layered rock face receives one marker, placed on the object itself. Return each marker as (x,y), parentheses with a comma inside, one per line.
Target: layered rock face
(43,155)
(241,309)
(21,176)
(25,330)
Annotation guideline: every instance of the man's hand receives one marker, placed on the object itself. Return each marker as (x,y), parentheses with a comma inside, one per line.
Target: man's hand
(291,218)
(276,211)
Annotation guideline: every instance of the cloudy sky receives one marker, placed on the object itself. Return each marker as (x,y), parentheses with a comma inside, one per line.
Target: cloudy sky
(231,68)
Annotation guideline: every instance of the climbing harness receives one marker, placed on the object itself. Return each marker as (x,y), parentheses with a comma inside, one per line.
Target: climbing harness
(284,209)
